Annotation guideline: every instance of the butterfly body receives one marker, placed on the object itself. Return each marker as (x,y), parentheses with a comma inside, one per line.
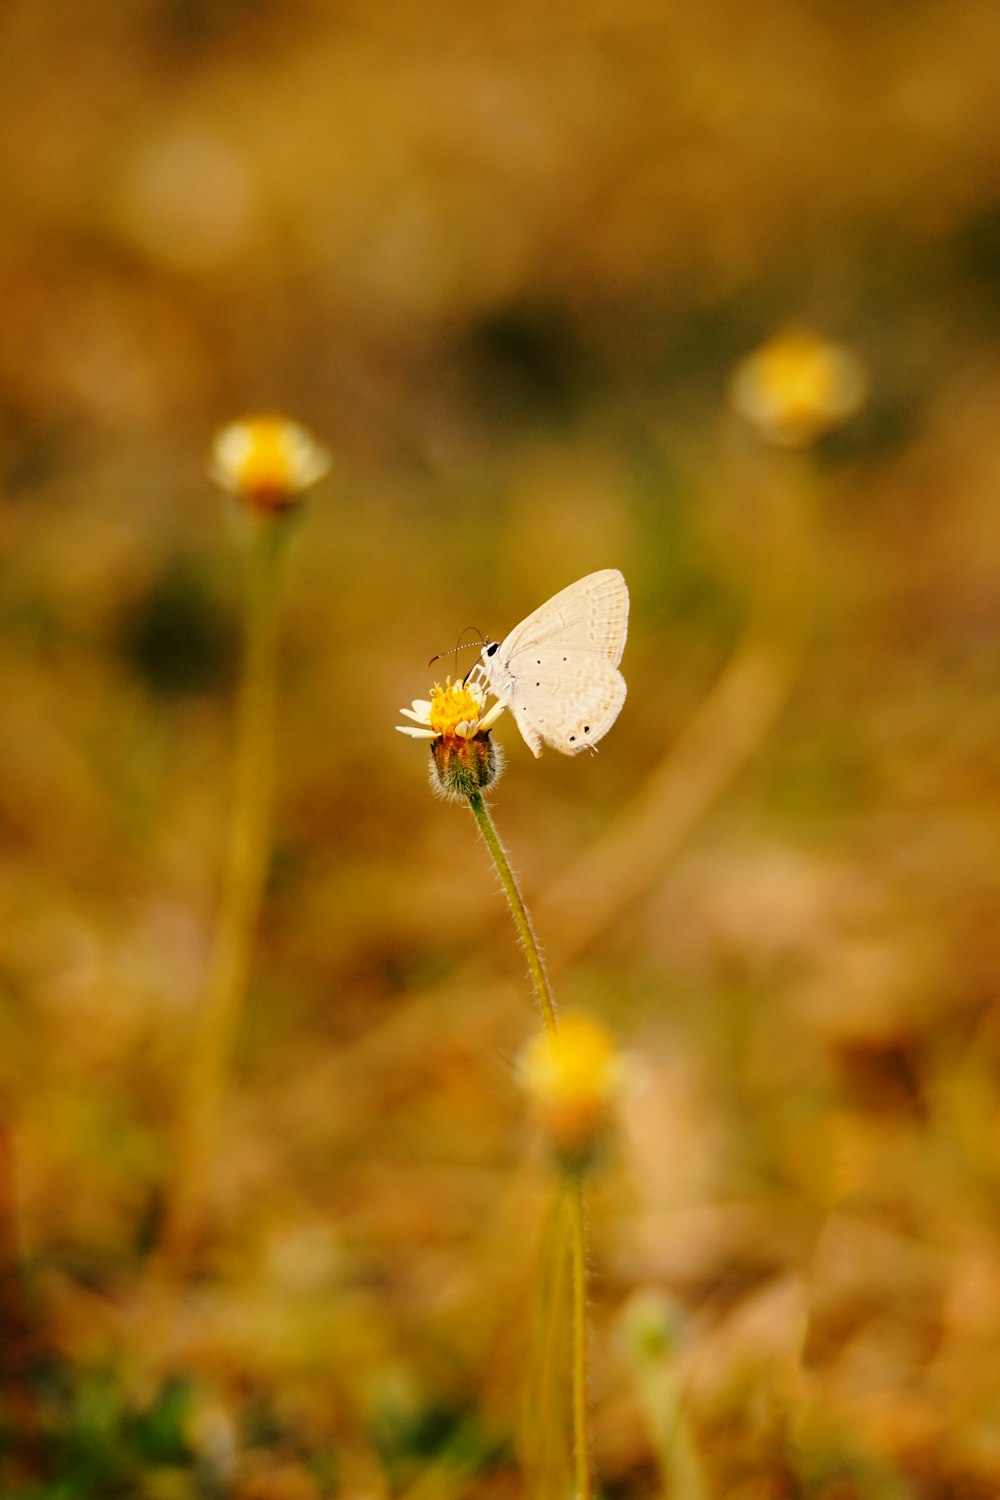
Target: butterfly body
(557,671)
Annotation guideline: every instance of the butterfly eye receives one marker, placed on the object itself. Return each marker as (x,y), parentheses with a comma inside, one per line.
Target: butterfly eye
(492,649)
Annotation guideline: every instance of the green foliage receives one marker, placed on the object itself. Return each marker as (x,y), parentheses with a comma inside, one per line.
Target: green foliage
(97,1447)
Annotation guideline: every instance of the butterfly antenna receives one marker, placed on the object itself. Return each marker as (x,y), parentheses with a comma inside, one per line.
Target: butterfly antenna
(462,646)
(438,654)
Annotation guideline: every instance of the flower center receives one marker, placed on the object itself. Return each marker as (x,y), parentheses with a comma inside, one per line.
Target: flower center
(455,710)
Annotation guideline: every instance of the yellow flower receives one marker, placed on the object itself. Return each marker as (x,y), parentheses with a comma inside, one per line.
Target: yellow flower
(572,1077)
(798,386)
(463,757)
(267,460)
(454,711)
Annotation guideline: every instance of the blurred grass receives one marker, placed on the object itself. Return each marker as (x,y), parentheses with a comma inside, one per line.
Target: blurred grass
(503,262)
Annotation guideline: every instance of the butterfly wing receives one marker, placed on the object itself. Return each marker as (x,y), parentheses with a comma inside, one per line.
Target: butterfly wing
(557,670)
(569,707)
(593,611)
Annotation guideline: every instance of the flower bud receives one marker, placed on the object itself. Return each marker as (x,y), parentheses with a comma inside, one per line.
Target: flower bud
(460,767)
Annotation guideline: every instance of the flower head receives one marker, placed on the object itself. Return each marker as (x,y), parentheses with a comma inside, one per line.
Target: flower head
(267,461)
(463,757)
(798,386)
(571,1078)
(454,711)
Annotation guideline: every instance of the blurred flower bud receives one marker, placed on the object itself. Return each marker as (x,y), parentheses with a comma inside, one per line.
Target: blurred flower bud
(571,1078)
(650,1322)
(797,387)
(267,461)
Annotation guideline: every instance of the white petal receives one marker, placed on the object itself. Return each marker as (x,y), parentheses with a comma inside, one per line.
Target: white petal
(416,734)
(490,718)
(417,717)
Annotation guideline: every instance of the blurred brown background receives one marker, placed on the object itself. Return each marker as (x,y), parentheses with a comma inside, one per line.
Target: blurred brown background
(503,261)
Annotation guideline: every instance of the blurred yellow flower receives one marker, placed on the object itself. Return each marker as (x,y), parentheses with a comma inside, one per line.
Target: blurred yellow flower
(798,386)
(572,1077)
(267,460)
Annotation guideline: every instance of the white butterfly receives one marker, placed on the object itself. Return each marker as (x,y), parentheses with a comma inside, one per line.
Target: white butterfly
(557,671)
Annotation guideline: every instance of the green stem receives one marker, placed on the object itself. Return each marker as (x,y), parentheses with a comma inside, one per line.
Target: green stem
(522,921)
(578,1251)
(575,1184)
(243,885)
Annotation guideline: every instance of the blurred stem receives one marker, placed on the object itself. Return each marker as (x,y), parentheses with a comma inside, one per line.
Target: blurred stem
(546,1452)
(678,1458)
(242,890)
(578,1251)
(522,921)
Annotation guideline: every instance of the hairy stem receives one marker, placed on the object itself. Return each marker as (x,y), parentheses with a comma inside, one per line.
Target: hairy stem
(522,921)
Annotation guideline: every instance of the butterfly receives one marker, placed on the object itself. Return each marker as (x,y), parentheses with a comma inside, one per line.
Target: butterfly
(557,671)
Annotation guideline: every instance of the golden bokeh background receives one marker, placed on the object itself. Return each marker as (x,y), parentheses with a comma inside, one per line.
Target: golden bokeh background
(504,261)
